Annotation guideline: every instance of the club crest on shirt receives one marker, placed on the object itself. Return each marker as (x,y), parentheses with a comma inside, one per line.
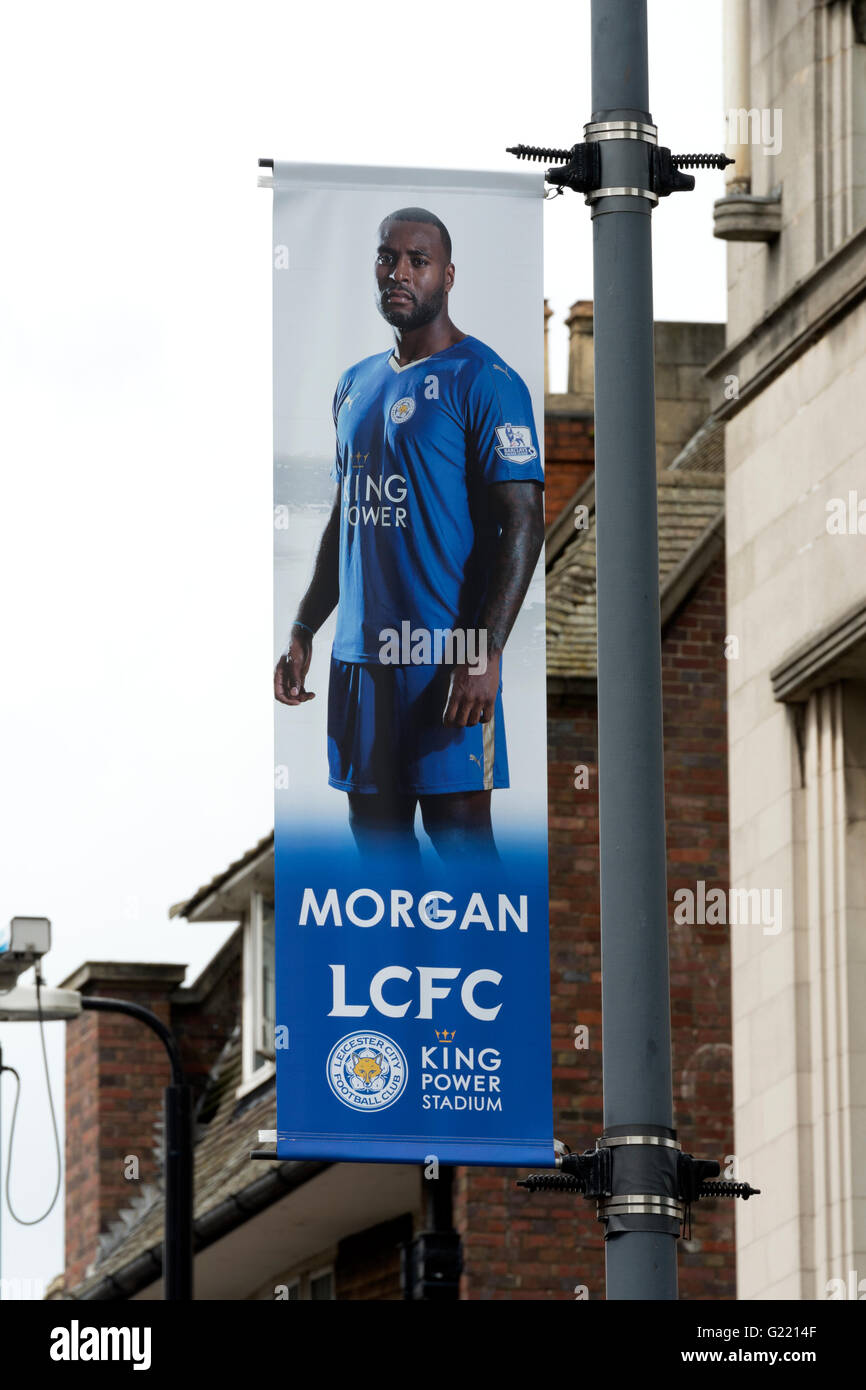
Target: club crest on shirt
(402,409)
(515,443)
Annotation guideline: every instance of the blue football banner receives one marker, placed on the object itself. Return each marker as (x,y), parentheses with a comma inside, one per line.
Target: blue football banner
(412,1014)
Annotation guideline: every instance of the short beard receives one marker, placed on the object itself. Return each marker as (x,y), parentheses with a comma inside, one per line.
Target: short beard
(420,315)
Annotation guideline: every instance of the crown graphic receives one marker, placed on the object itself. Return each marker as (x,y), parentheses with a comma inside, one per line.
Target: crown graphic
(445,1036)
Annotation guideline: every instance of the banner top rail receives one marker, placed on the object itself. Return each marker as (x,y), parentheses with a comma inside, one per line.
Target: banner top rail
(288,175)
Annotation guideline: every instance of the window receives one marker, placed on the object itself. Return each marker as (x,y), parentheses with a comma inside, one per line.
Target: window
(259,997)
(305,1284)
(322,1284)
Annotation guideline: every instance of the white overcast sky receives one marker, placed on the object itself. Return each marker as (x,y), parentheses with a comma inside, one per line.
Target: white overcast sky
(135,526)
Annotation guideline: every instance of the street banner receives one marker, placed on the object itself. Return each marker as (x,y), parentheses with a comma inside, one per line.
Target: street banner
(412,1014)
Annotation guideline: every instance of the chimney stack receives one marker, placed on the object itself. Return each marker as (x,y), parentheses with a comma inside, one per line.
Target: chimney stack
(116,1071)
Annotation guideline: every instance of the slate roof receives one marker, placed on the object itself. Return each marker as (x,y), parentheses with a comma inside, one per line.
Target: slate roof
(690,510)
(705,451)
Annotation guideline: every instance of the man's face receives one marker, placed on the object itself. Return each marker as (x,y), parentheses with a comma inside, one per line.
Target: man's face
(412,274)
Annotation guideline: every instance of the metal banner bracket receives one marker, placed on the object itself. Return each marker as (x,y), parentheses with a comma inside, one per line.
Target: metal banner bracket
(579,168)
(639,1181)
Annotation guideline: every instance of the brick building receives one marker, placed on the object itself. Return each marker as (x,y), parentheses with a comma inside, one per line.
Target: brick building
(303,1230)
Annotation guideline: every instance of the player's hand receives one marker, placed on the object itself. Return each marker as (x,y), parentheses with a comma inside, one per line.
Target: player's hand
(472,697)
(291,670)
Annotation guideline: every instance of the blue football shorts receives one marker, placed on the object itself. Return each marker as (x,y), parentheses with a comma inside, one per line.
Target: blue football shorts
(385,733)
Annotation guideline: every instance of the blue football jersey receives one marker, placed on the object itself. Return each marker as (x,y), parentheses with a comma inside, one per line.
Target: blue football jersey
(418,448)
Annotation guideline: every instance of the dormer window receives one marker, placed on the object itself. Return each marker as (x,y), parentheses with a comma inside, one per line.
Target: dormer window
(259,985)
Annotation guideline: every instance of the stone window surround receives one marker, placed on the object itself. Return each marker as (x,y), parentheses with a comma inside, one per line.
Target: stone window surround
(836,652)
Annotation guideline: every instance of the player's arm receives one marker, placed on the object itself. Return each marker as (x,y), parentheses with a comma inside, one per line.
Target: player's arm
(318,603)
(518,509)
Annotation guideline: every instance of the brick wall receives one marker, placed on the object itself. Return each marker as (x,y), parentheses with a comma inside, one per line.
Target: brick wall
(116,1072)
(82,1112)
(517,1246)
(116,1069)
(202,1023)
(569,450)
(696,807)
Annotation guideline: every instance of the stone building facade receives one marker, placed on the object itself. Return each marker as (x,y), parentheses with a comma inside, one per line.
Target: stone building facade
(789,389)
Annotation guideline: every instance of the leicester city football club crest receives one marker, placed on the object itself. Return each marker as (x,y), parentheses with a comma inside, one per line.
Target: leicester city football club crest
(367,1071)
(402,409)
(515,443)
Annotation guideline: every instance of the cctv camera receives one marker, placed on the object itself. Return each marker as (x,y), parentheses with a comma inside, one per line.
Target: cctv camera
(22,944)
